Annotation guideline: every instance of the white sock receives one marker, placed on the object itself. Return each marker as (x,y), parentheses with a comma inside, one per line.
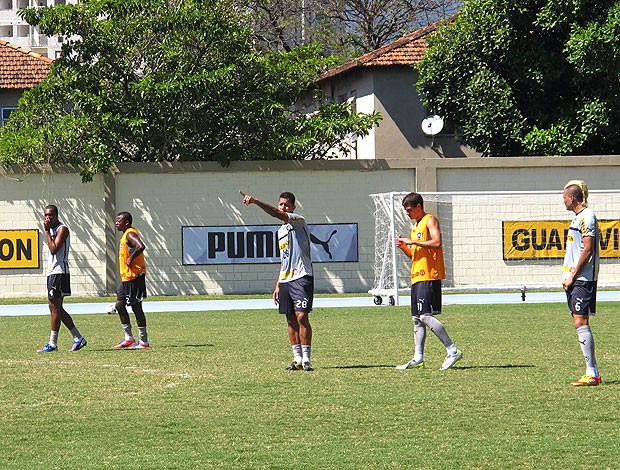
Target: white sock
(296,353)
(53,338)
(452,349)
(419,338)
(305,348)
(127,330)
(142,333)
(586,341)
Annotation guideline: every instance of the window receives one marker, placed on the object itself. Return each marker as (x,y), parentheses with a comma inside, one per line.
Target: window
(4,115)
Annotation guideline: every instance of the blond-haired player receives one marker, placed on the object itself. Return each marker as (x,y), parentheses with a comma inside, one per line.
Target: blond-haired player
(581,265)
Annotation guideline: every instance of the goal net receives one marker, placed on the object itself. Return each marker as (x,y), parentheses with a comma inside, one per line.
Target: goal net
(493,240)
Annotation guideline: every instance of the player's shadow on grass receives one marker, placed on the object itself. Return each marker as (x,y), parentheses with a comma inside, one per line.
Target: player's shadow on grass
(610,382)
(499,366)
(171,346)
(361,366)
(175,346)
(387,366)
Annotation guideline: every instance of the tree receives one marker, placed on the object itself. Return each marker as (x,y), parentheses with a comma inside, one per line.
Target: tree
(529,77)
(168,80)
(347,28)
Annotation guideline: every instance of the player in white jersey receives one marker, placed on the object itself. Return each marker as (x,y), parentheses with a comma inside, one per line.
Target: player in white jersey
(581,264)
(58,280)
(294,291)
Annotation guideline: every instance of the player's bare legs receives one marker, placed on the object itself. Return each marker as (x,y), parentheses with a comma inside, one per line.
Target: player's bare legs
(300,338)
(139,313)
(123,314)
(58,314)
(293,329)
(305,330)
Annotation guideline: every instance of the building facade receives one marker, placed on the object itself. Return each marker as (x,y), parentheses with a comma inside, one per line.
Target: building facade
(15,30)
(384,81)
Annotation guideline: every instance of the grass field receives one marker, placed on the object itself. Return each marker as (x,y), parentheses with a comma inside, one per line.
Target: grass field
(212,393)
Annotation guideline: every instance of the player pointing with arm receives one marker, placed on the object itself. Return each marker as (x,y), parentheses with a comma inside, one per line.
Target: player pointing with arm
(427,270)
(294,290)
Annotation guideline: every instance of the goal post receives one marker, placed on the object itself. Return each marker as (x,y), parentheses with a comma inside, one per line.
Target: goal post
(493,241)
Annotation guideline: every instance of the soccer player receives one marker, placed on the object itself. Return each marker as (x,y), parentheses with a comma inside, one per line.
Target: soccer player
(581,264)
(294,289)
(132,289)
(427,271)
(58,280)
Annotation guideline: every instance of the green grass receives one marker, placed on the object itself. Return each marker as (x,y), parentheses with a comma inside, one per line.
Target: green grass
(212,393)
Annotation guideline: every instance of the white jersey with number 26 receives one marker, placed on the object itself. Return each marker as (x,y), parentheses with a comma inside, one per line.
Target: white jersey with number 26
(294,243)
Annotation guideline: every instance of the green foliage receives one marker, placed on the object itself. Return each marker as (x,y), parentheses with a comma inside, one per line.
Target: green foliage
(162,80)
(529,77)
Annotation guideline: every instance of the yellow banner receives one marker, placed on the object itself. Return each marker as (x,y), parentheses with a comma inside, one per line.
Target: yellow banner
(544,239)
(19,249)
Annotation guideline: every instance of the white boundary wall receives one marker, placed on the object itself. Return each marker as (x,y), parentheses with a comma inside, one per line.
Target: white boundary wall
(81,207)
(165,197)
(472,235)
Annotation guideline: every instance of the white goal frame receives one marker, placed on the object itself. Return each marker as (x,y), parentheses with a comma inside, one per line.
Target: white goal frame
(458,214)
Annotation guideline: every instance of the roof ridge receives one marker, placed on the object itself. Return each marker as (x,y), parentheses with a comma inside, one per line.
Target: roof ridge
(29,52)
(407,38)
(386,48)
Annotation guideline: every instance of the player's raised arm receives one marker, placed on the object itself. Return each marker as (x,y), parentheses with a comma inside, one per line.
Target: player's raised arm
(269,209)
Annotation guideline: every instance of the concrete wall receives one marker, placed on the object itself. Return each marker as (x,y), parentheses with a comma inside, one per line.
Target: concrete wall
(81,207)
(165,197)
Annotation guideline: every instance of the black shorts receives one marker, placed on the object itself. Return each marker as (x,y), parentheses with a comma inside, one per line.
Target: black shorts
(132,292)
(58,285)
(296,296)
(581,298)
(426,298)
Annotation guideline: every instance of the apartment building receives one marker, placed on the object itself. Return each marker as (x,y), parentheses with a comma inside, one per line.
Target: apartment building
(16,31)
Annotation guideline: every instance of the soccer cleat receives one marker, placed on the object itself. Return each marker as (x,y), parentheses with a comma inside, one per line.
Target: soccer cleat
(77,345)
(412,364)
(125,344)
(587,381)
(294,366)
(140,345)
(451,360)
(47,348)
(308,367)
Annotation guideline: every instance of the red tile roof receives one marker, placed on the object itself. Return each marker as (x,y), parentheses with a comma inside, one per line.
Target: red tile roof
(407,50)
(21,68)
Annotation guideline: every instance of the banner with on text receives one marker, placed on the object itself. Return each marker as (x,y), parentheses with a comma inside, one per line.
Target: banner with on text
(546,239)
(254,244)
(19,249)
